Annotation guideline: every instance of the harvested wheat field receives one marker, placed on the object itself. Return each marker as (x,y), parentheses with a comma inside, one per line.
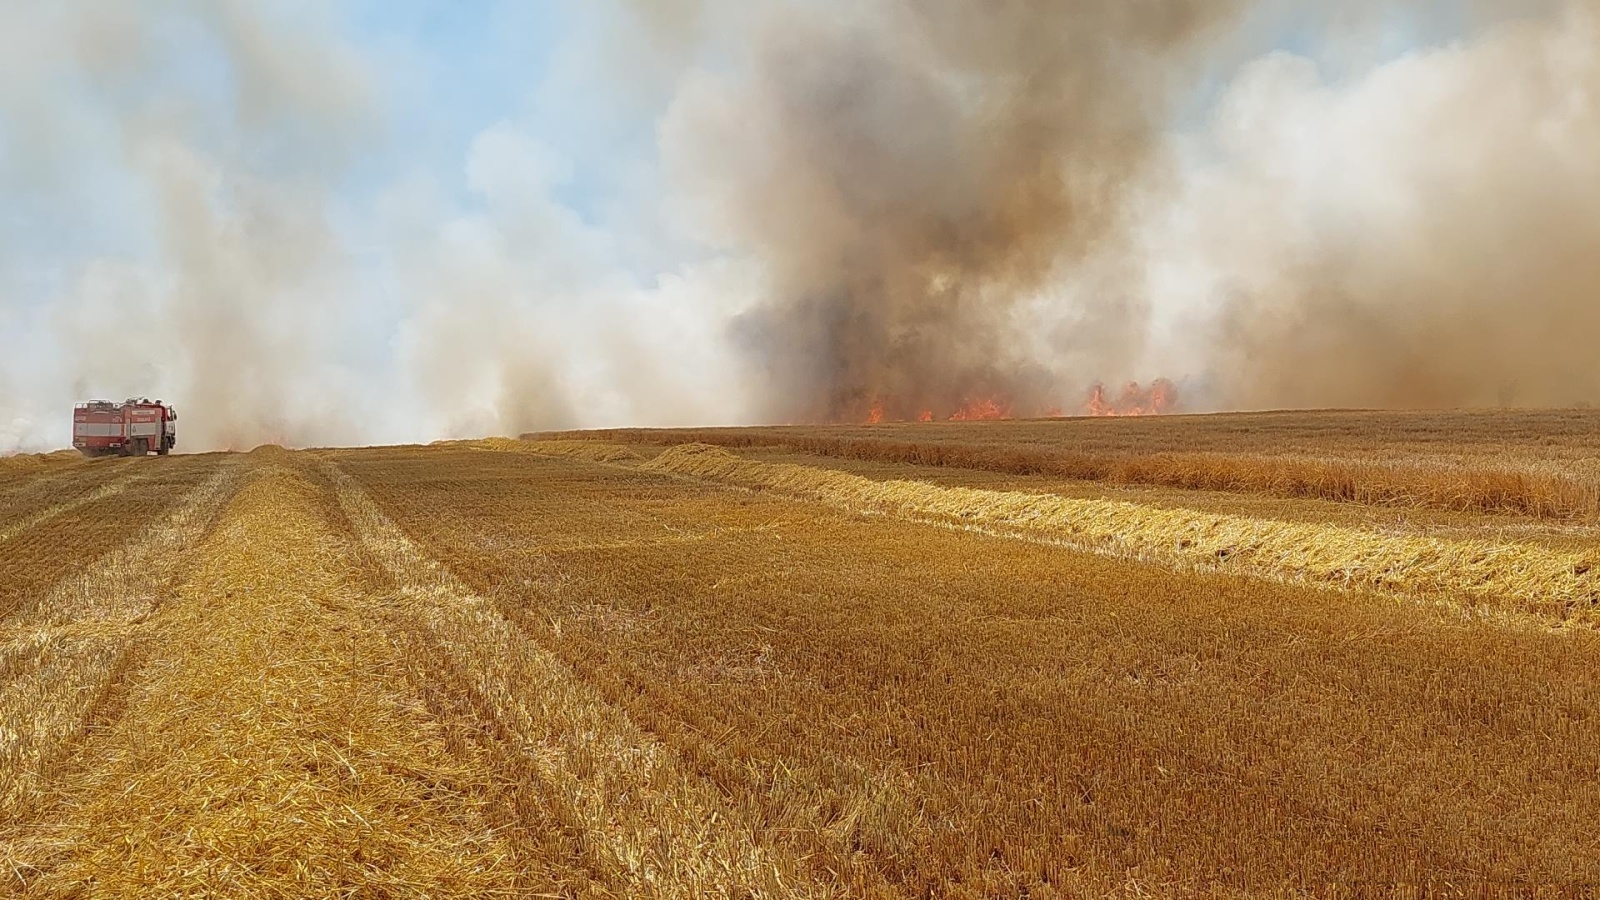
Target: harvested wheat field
(1318,654)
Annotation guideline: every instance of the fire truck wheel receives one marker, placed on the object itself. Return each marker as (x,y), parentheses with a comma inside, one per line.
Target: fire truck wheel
(164,449)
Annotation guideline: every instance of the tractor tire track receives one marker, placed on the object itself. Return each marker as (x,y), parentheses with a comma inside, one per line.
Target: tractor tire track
(60,656)
(641,819)
(268,742)
(18,480)
(34,496)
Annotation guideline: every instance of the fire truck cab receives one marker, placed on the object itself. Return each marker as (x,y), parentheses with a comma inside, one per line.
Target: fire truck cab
(134,427)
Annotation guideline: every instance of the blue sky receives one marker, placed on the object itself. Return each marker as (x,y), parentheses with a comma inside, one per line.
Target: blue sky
(460,67)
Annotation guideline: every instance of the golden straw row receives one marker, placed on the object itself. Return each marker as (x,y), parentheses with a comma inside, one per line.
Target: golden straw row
(1495,577)
(270,744)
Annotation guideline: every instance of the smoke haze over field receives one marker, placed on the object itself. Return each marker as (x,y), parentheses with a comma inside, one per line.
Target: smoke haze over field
(910,173)
(1422,235)
(311,224)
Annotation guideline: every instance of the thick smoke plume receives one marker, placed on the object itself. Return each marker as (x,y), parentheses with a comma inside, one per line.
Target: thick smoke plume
(965,203)
(1426,233)
(910,173)
(797,211)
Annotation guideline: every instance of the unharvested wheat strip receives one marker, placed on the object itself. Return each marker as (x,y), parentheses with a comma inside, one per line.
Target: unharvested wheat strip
(594,451)
(670,835)
(269,746)
(1509,578)
(1487,470)
(58,656)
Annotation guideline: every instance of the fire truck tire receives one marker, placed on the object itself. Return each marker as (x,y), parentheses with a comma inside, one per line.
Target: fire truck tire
(164,449)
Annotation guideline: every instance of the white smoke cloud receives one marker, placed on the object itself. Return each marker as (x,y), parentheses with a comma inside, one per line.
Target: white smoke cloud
(232,272)
(195,213)
(1421,232)
(522,315)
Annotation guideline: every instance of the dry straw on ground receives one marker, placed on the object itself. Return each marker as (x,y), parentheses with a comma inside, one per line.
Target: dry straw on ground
(34,462)
(30,522)
(594,451)
(588,671)
(642,822)
(57,657)
(268,749)
(47,534)
(925,711)
(1508,577)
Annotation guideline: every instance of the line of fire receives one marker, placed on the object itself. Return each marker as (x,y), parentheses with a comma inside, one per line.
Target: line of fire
(1159,397)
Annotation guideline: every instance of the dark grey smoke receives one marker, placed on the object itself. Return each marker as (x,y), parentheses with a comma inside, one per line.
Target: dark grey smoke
(910,173)
(956,201)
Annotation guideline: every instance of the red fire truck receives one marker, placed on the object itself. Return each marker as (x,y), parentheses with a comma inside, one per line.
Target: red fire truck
(131,428)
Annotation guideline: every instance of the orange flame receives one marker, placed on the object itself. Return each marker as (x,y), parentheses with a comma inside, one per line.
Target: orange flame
(1135,400)
(983,410)
(1157,398)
